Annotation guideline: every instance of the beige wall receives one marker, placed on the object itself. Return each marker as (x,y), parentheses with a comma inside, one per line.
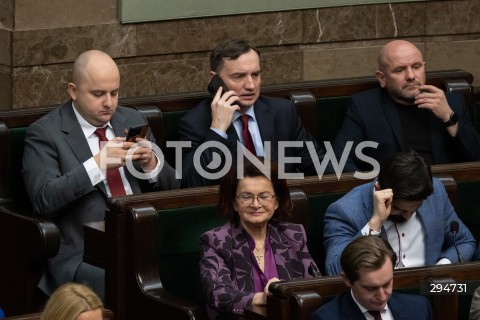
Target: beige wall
(172,56)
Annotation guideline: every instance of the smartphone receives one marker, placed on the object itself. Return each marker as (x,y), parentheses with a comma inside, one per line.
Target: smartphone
(216,83)
(137,132)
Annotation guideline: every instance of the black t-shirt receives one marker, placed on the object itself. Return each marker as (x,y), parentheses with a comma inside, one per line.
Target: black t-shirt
(415,130)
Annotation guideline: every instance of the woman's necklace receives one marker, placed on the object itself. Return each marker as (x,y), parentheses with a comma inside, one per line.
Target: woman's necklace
(259,252)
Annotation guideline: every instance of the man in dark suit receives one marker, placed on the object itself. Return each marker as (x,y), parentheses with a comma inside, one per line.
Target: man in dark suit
(68,174)
(219,122)
(367,264)
(405,113)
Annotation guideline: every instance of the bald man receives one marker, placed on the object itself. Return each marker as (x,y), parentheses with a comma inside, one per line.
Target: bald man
(65,166)
(405,113)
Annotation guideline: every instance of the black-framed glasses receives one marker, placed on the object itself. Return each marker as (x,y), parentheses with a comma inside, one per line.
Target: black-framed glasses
(246,198)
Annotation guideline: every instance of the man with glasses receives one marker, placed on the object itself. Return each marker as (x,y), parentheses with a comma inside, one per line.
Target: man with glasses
(405,206)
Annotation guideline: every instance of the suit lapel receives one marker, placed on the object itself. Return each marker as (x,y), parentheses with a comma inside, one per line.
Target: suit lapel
(391,113)
(398,308)
(75,137)
(349,308)
(265,124)
(243,267)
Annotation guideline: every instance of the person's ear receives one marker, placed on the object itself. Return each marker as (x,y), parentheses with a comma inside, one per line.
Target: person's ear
(345,280)
(377,186)
(72,91)
(381,78)
(212,74)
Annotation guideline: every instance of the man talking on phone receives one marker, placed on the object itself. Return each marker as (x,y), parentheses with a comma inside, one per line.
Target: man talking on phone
(405,206)
(75,158)
(242,115)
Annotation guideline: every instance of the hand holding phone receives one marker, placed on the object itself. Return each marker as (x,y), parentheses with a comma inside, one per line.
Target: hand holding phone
(137,132)
(216,83)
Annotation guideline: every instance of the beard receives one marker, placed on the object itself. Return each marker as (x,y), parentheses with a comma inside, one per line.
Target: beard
(405,95)
(396,218)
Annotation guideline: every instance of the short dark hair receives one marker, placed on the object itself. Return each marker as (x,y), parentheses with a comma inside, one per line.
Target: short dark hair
(229,183)
(366,253)
(229,50)
(408,175)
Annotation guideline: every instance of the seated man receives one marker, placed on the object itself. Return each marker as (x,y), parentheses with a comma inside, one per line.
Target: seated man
(405,113)
(70,169)
(405,206)
(367,264)
(242,115)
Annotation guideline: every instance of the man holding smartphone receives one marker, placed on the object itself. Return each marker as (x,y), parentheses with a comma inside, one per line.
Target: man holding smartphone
(242,115)
(75,158)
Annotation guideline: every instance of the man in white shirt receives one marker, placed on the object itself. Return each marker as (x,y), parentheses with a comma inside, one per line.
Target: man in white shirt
(68,178)
(405,206)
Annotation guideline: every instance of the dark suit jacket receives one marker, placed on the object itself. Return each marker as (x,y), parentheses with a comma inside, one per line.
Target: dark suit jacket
(277,121)
(402,306)
(372,116)
(226,267)
(59,187)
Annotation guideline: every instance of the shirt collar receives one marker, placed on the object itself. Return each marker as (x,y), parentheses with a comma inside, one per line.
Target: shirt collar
(249,111)
(87,128)
(363,309)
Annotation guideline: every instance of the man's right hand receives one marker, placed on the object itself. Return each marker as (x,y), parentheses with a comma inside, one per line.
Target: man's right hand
(222,109)
(113,154)
(382,207)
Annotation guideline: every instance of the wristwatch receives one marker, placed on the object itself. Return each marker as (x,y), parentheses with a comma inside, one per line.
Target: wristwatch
(452,121)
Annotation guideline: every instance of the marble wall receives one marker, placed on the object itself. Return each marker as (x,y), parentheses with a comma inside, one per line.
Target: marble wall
(172,56)
(6,27)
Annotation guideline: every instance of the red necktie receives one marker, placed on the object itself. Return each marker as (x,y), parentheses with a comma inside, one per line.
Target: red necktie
(376,315)
(114,179)
(247,137)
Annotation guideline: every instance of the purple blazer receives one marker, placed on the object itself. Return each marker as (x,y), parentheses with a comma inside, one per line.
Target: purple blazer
(226,268)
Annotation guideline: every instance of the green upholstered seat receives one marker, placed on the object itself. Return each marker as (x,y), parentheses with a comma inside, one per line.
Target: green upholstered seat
(170,123)
(317,206)
(16,143)
(179,248)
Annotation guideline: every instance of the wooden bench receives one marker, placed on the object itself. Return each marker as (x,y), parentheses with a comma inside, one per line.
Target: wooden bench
(297,299)
(172,209)
(15,209)
(321,104)
(27,239)
(154,270)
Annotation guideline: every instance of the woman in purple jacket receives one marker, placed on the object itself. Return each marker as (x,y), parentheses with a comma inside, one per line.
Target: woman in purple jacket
(240,259)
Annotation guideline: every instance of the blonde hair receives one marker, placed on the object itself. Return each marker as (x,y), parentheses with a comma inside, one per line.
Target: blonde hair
(69,301)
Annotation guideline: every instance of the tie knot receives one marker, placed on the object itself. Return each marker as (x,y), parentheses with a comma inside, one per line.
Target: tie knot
(101,134)
(375,314)
(244,118)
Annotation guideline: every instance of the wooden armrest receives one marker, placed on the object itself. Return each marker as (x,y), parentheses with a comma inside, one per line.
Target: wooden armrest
(4,156)
(450,186)
(305,104)
(27,241)
(304,303)
(458,86)
(155,121)
(143,275)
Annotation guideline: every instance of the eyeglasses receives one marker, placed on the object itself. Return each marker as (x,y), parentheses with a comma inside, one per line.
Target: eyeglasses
(246,198)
